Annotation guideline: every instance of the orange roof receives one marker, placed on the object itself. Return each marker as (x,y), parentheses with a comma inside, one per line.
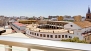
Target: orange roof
(19,24)
(83,24)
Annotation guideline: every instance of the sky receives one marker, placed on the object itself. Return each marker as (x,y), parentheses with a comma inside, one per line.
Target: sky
(44,7)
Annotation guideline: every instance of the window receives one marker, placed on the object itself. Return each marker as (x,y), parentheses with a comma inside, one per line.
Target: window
(71,25)
(51,36)
(44,35)
(55,36)
(48,36)
(40,35)
(59,36)
(65,36)
(62,36)
(88,17)
(37,34)
(70,37)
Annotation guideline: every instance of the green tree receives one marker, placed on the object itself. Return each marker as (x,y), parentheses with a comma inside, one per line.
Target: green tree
(75,39)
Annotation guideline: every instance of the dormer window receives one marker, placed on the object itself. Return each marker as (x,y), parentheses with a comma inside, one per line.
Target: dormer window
(71,25)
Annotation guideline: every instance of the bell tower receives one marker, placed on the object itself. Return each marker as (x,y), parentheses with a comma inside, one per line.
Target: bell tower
(88,15)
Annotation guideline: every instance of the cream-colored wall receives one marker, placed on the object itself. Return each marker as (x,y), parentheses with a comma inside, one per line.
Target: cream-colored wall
(35,36)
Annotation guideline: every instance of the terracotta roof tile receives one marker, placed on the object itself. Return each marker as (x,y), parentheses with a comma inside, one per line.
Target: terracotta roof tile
(83,24)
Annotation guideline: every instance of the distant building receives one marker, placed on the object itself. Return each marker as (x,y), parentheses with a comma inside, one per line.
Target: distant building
(67,18)
(41,18)
(27,21)
(80,29)
(60,18)
(54,19)
(78,18)
(50,17)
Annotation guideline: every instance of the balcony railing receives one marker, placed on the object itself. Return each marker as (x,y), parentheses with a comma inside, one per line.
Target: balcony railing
(46,45)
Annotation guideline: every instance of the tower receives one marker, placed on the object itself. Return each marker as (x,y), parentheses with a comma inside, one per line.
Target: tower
(88,15)
(60,18)
(78,18)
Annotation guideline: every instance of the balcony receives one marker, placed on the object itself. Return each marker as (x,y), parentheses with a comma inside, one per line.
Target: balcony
(45,45)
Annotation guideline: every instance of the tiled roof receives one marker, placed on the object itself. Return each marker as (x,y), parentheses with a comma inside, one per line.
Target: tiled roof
(83,24)
(19,24)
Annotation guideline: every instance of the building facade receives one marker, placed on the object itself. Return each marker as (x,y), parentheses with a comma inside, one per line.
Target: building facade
(60,18)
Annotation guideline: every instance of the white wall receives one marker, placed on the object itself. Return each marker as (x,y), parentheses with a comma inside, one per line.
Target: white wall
(35,36)
(67,26)
(78,33)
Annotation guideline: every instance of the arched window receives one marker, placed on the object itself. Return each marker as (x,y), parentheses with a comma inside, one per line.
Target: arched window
(59,36)
(55,36)
(65,36)
(62,36)
(40,35)
(88,17)
(48,36)
(37,34)
(51,36)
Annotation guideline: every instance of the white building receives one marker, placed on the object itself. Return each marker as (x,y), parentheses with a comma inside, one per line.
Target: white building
(54,19)
(78,28)
(41,18)
(71,30)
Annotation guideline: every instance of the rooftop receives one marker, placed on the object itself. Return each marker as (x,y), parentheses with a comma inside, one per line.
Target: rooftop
(19,24)
(7,31)
(7,28)
(1,28)
(33,27)
(21,35)
(83,24)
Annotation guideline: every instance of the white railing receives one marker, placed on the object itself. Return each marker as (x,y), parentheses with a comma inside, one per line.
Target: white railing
(46,45)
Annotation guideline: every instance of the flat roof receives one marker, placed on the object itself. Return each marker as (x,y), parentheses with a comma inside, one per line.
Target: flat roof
(21,35)
(2,28)
(7,31)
